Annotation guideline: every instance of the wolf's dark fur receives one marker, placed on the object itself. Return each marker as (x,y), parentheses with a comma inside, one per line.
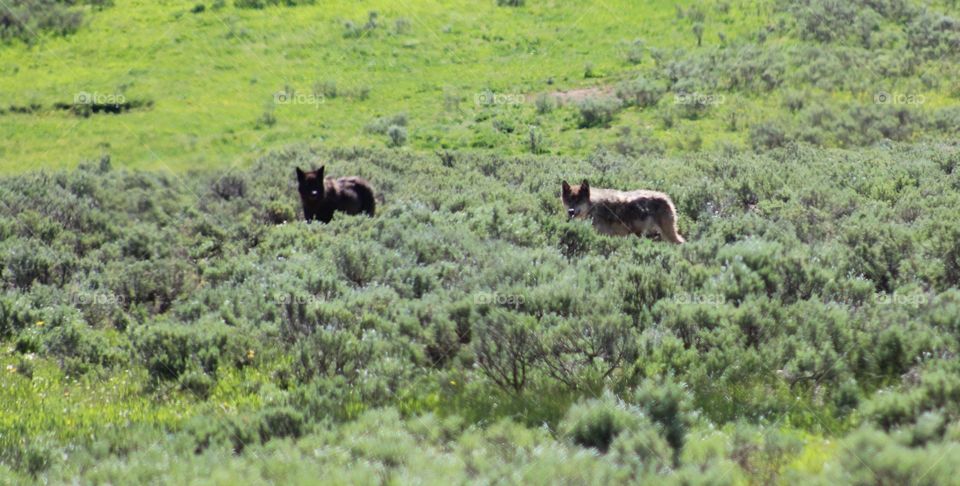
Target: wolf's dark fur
(322,196)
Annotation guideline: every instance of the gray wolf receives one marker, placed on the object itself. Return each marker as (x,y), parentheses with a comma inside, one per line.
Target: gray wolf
(616,212)
(322,196)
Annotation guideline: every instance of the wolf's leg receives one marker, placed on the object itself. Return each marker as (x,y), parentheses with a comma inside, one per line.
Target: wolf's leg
(668,228)
(648,235)
(647,228)
(368,201)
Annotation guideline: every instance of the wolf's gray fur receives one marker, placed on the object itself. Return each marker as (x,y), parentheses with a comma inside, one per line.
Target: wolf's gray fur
(623,212)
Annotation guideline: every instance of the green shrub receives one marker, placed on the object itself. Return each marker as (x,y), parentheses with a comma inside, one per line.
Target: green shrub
(545,103)
(767,136)
(169,351)
(29,261)
(668,405)
(80,349)
(598,422)
(382,125)
(871,457)
(937,392)
(639,92)
(506,349)
(329,353)
(876,251)
(397,135)
(326,89)
(260,4)
(197,382)
(643,451)
(24,19)
(266,119)
(444,343)
(597,111)
(933,35)
(278,422)
(584,354)
(222,430)
(153,285)
(15,314)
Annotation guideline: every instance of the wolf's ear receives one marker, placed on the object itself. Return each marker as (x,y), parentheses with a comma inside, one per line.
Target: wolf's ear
(300,175)
(320,172)
(566,187)
(584,186)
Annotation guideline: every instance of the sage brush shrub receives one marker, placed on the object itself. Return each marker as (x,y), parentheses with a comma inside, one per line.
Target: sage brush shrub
(581,354)
(933,35)
(24,19)
(506,349)
(598,422)
(260,4)
(169,350)
(397,135)
(331,353)
(545,103)
(643,451)
(640,92)
(767,136)
(668,405)
(597,111)
(813,279)
(871,456)
(382,125)
(81,349)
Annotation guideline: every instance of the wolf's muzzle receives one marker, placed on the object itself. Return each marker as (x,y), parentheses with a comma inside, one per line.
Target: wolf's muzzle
(571,212)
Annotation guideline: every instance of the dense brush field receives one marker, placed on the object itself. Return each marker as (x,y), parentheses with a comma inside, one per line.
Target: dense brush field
(178,326)
(166,317)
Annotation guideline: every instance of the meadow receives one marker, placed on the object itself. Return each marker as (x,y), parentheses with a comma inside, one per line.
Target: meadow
(167,317)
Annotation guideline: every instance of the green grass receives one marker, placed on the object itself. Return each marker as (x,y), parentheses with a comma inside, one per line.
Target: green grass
(50,404)
(211,75)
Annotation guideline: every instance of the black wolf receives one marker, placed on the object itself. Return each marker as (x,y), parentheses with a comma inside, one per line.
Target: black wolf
(322,196)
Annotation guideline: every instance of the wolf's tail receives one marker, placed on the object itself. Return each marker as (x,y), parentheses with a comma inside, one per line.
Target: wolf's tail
(368,201)
(668,226)
(671,234)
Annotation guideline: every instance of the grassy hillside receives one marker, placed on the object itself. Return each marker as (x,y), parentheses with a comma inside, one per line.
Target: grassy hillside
(221,85)
(165,316)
